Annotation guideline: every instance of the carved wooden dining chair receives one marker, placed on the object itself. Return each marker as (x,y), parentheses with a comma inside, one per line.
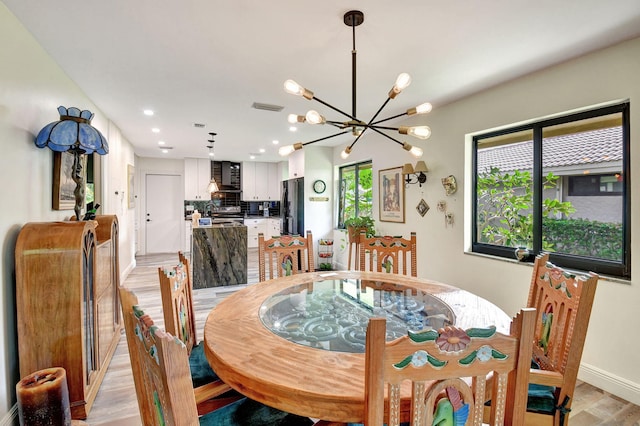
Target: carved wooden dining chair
(163,386)
(284,255)
(179,320)
(448,370)
(563,301)
(388,254)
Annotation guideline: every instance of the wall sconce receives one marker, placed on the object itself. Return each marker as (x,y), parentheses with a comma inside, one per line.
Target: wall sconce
(418,173)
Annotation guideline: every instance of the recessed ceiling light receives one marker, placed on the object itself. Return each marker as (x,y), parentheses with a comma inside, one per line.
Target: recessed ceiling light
(161,142)
(293,128)
(252,157)
(155,130)
(148,112)
(164,151)
(262,150)
(275,142)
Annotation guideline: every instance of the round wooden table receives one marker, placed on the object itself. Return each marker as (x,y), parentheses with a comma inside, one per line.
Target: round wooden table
(304,380)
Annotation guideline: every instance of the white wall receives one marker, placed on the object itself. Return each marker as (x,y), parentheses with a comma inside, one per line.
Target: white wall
(611,355)
(32,87)
(318,213)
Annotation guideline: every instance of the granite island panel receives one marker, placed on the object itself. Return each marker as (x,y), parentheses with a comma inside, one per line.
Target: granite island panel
(219,255)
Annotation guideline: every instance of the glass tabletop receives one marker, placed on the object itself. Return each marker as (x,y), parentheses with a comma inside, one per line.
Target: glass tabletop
(333,314)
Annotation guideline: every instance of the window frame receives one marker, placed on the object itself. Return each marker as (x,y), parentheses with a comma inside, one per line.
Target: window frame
(620,269)
(357,167)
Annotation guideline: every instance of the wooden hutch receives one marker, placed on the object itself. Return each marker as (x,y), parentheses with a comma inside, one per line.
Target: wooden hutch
(67,279)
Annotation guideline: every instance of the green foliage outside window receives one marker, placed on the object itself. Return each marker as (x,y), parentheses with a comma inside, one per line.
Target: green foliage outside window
(504,218)
(504,207)
(356,200)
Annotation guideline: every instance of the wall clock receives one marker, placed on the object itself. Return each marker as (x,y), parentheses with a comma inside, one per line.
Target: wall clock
(319,186)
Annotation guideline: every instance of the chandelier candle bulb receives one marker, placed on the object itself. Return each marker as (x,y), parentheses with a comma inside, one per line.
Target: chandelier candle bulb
(420,109)
(288,149)
(413,150)
(420,132)
(295,89)
(295,118)
(314,117)
(402,82)
(345,153)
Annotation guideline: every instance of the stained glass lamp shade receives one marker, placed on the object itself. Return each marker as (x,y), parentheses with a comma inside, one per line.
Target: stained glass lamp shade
(74,133)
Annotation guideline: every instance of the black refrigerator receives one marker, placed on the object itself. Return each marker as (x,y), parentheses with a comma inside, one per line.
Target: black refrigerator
(292,207)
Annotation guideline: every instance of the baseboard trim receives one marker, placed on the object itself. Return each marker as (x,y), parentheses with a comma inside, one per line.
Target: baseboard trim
(127,271)
(608,382)
(11,418)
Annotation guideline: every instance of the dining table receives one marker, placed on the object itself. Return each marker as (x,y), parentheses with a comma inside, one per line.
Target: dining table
(296,343)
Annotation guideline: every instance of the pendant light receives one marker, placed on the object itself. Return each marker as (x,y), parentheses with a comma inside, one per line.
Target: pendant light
(213,186)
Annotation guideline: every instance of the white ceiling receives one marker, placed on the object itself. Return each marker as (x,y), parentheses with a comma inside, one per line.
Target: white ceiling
(209,61)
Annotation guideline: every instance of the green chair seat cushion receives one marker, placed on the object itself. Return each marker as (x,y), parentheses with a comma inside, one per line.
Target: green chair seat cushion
(201,371)
(246,412)
(542,399)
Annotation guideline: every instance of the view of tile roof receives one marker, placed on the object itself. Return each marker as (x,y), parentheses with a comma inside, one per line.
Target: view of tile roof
(591,147)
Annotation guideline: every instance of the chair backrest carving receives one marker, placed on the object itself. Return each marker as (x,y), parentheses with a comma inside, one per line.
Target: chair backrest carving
(177,303)
(448,372)
(284,255)
(388,254)
(563,301)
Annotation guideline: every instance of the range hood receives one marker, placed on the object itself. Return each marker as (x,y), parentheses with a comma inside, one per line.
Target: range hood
(227,174)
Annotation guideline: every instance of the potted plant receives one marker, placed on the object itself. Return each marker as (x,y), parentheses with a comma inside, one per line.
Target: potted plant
(355,225)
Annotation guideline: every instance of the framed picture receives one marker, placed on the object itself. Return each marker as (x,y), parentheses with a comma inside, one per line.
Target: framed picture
(63,184)
(131,196)
(391,192)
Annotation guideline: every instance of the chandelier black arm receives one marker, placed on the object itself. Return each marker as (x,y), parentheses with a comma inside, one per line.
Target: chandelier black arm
(373,126)
(338,124)
(384,104)
(326,137)
(334,108)
(387,136)
(389,118)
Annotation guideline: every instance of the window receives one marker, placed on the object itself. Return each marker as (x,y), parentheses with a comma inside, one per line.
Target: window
(560,185)
(356,191)
(595,185)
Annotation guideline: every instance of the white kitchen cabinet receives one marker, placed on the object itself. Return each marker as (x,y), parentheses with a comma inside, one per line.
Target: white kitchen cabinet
(296,164)
(197,175)
(275,183)
(260,181)
(254,227)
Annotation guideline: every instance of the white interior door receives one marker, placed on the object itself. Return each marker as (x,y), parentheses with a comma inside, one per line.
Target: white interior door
(164,216)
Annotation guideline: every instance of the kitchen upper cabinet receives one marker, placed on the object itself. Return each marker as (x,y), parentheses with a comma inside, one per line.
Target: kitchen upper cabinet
(260,181)
(275,183)
(296,164)
(197,175)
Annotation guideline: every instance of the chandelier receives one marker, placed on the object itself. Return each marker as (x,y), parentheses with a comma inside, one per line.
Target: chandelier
(354,125)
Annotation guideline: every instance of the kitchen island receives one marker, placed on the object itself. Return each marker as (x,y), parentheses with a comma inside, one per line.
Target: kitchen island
(219,256)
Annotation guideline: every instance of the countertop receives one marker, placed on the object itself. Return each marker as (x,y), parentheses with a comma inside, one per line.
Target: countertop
(253,216)
(259,216)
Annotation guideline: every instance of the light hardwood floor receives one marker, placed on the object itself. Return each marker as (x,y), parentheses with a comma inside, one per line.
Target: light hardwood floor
(116,402)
